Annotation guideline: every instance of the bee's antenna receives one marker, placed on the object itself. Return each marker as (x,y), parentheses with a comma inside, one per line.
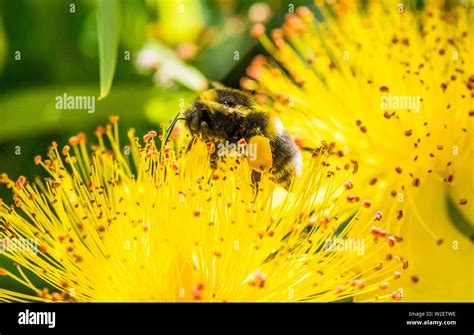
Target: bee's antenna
(171,126)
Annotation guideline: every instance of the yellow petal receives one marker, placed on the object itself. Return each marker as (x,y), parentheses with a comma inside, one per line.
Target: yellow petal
(445,271)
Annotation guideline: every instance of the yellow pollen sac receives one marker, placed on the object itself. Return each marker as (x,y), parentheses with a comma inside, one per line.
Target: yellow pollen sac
(261,160)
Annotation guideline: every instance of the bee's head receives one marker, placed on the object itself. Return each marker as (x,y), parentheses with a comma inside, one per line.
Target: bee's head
(211,106)
(197,113)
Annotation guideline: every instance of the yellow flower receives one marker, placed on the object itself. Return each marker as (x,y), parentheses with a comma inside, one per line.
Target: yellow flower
(393,89)
(142,223)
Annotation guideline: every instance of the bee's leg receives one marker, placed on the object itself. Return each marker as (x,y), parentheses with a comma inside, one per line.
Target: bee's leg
(213,160)
(284,179)
(190,145)
(213,157)
(205,131)
(255,177)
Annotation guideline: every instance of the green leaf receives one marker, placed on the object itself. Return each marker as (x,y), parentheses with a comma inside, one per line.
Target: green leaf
(108,30)
(3,44)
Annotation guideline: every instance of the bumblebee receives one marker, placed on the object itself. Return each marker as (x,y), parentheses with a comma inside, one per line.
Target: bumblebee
(229,115)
